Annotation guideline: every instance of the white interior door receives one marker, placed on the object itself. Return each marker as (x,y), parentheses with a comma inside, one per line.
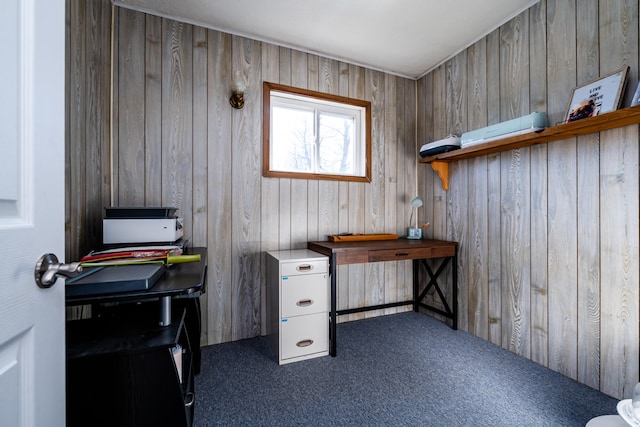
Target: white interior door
(32,347)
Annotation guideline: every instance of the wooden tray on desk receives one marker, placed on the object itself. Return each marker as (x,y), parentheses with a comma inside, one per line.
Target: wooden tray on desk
(361,237)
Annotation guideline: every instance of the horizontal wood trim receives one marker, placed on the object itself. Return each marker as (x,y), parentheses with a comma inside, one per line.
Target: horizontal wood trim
(268,87)
(295,175)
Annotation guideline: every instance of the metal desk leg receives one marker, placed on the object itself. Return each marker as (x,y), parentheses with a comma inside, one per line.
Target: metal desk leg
(416,285)
(454,294)
(332,313)
(165,311)
(449,312)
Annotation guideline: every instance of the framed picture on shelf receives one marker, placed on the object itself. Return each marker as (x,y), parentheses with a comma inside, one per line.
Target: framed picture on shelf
(597,97)
(636,96)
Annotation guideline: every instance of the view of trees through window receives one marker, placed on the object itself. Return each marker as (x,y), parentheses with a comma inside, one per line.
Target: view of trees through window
(297,149)
(316,136)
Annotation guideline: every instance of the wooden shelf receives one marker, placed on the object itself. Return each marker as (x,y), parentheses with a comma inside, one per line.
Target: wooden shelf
(612,120)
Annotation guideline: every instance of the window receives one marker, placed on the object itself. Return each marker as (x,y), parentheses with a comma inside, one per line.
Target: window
(314,135)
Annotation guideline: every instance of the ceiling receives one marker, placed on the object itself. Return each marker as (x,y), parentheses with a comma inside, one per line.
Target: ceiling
(403,37)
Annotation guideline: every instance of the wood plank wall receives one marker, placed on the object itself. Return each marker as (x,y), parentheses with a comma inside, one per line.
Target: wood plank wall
(548,234)
(177,142)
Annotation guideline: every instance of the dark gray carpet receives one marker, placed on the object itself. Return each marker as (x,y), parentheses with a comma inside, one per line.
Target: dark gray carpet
(399,370)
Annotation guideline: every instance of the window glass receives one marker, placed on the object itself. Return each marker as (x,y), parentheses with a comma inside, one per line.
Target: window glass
(314,135)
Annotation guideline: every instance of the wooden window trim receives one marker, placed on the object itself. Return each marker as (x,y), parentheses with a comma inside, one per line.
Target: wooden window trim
(267,88)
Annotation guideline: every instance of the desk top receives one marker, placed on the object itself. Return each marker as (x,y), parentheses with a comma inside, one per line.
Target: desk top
(179,280)
(384,250)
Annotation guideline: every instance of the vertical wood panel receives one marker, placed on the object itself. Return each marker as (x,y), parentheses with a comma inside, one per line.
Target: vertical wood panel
(245,155)
(424,124)
(440,130)
(458,196)
(97,163)
(391,185)
(275,219)
(114,143)
(619,213)
(539,188)
(357,208)
(515,190)
(75,100)
(153,112)
(494,211)
(76,70)
(374,192)
(588,159)
(425,175)
(285,195)
(130,163)
(199,143)
(87,166)
(562,200)
(272,209)
(219,308)
(477,243)
(199,223)
(177,111)
(405,131)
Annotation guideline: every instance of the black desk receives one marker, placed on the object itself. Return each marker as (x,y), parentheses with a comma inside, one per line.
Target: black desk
(120,366)
(356,252)
(179,281)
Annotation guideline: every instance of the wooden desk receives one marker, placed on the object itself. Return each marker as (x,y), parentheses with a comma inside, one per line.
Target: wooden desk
(342,253)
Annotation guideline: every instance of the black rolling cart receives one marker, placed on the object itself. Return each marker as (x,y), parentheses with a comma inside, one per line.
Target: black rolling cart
(133,362)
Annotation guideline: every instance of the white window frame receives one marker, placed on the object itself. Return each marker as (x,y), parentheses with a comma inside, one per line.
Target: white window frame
(276,95)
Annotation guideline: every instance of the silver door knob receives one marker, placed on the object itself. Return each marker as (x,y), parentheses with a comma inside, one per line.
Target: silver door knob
(48,269)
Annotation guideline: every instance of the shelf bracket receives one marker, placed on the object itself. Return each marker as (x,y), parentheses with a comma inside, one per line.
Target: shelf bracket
(442,169)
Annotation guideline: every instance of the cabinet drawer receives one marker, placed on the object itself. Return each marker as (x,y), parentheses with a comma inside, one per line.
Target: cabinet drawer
(305,267)
(304,294)
(410,253)
(304,335)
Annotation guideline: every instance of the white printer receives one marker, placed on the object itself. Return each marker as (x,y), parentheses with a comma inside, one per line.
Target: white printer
(451,142)
(141,225)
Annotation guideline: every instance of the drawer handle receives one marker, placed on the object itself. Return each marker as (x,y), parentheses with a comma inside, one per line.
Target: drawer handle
(191,399)
(304,303)
(402,254)
(304,343)
(304,267)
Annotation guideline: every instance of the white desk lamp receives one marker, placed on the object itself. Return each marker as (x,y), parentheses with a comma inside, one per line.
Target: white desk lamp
(414,232)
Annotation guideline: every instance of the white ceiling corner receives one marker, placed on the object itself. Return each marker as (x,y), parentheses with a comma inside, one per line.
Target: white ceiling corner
(403,37)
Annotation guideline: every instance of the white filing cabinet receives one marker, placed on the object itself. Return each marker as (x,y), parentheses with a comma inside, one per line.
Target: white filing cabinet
(298,304)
